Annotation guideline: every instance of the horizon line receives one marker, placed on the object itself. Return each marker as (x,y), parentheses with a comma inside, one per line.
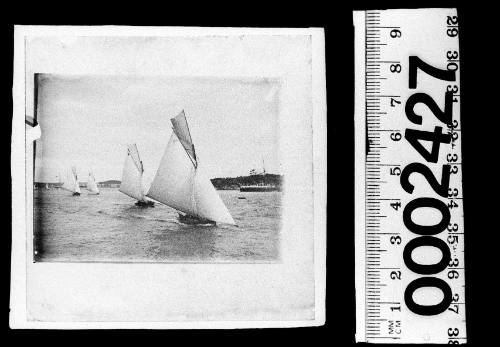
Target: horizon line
(119,180)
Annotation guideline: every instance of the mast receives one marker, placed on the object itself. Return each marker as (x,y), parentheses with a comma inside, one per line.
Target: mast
(139,158)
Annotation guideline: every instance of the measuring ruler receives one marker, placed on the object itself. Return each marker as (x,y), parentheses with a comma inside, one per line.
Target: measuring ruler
(408,166)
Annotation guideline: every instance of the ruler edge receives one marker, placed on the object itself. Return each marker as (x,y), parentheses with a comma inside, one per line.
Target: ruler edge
(359,171)
(359,17)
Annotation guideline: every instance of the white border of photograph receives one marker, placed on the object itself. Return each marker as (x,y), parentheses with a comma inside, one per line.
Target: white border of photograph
(180,295)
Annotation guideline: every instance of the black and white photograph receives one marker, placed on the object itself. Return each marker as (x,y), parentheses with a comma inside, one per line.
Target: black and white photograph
(168,177)
(157,169)
(169,173)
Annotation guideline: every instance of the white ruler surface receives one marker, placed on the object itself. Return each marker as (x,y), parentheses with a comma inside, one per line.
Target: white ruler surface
(409,202)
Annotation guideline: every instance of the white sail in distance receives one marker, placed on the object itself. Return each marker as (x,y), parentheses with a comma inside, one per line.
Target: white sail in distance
(133,169)
(77,183)
(179,183)
(91,184)
(71,181)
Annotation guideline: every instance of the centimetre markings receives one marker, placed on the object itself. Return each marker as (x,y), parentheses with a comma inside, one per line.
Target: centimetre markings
(384,315)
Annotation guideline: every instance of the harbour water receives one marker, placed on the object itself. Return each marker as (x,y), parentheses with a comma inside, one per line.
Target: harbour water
(109,228)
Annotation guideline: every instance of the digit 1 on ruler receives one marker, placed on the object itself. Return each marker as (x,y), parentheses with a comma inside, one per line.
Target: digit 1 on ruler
(409,202)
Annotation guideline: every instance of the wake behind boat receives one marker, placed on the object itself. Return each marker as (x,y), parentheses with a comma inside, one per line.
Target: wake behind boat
(131,183)
(180,184)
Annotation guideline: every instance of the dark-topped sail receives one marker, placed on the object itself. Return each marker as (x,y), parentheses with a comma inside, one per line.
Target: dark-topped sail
(134,154)
(181,184)
(181,129)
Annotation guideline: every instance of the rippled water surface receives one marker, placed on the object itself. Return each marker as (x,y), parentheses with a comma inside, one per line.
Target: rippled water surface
(109,227)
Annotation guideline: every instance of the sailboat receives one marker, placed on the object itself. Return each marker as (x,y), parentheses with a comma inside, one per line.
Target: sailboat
(59,181)
(71,182)
(131,183)
(92,185)
(180,184)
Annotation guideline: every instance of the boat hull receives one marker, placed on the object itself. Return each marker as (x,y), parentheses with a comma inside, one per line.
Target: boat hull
(76,194)
(259,189)
(191,220)
(145,203)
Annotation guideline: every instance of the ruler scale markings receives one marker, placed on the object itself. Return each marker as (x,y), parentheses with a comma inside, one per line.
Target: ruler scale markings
(386,38)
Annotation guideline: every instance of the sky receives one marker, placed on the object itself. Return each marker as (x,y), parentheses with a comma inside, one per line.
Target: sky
(87,121)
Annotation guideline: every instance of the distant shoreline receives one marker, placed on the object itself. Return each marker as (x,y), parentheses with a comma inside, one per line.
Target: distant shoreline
(220,183)
(234,183)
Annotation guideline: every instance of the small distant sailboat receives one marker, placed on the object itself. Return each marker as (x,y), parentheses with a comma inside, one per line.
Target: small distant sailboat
(71,183)
(47,186)
(59,181)
(180,184)
(131,183)
(92,185)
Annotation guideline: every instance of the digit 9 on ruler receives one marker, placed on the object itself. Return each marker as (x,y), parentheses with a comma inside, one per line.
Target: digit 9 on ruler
(409,202)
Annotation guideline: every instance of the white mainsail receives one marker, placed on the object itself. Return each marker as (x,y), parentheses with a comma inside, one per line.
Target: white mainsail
(71,181)
(131,184)
(179,182)
(91,184)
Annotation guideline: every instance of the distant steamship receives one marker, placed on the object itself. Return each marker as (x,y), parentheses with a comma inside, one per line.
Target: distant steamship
(260,187)
(257,188)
